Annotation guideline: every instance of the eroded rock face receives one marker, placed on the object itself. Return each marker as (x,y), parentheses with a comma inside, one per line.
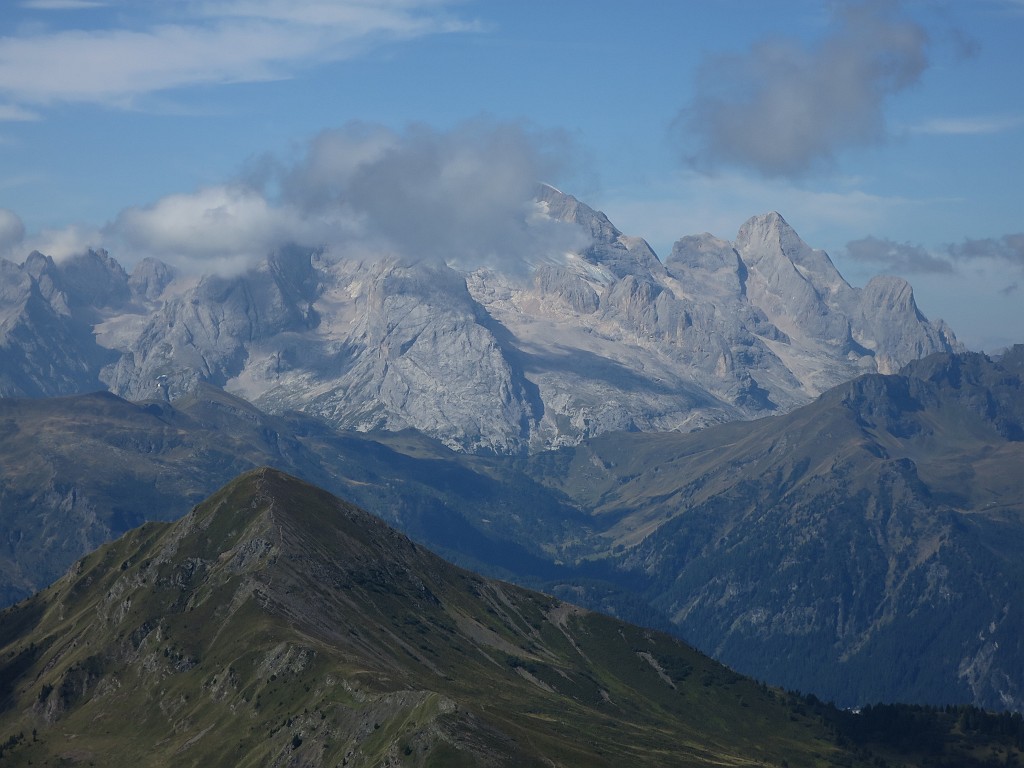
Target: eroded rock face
(606,337)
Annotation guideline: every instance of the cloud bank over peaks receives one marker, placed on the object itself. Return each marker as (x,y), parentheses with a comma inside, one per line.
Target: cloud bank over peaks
(463,197)
(223,229)
(16,243)
(785,108)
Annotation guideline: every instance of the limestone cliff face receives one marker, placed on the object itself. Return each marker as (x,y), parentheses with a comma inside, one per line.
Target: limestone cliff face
(559,348)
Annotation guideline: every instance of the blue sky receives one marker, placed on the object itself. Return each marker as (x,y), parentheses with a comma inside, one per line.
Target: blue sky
(204,132)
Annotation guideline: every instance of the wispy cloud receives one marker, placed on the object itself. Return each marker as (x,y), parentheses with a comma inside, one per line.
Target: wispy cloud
(61,5)
(785,107)
(968,126)
(1008,249)
(907,258)
(14,113)
(218,42)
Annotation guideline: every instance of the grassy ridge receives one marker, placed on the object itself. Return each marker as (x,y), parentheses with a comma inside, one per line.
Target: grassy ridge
(276,625)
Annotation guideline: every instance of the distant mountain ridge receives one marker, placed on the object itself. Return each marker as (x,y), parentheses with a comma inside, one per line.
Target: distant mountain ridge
(548,353)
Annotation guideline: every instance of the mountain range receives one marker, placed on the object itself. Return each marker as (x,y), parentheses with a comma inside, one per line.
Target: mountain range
(276,625)
(509,358)
(877,527)
(808,481)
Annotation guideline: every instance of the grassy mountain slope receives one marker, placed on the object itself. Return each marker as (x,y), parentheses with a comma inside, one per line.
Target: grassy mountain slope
(277,625)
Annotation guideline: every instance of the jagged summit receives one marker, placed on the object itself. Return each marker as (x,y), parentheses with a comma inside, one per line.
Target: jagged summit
(769,236)
(609,248)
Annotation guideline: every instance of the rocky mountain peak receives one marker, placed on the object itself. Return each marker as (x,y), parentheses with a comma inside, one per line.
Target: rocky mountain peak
(768,243)
(150,277)
(289,520)
(279,625)
(707,265)
(1013,359)
(797,287)
(890,294)
(564,207)
(770,235)
(94,280)
(621,254)
(37,263)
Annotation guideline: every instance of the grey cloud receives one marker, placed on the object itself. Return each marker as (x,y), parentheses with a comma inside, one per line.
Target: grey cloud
(1008,248)
(323,176)
(784,108)
(1009,290)
(899,258)
(463,196)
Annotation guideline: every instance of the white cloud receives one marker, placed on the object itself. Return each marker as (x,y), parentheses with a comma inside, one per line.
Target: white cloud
(332,159)
(785,108)
(217,229)
(358,18)
(225,43)
(1008,249)
(61,243)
